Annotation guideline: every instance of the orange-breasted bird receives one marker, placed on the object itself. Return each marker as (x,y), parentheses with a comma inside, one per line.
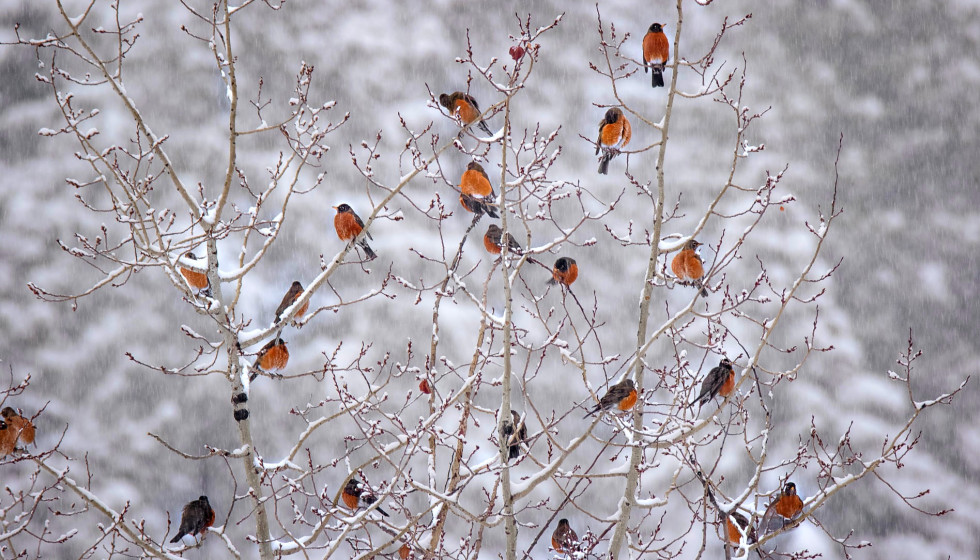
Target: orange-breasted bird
(493,242)
(687,266)
(615,133)
(356,495)
(564,540)
(465,107)
(195,519)
(621,395)
(507,434)
(404,552)
(477,194)
(656,51)
(8,439)
(475,181)
(19,428)
(349,226)
(291,296)
(197,280)
(564,272)
(735,525)
(720,381)
(271,359)
(784,509)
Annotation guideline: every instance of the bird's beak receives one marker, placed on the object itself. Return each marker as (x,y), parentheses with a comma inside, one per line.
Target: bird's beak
(334,207)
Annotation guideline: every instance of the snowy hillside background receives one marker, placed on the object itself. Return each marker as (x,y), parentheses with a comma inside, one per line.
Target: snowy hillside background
(899,80)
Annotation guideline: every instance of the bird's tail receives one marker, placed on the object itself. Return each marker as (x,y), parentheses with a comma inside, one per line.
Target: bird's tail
(177,538)
(485,128)
(704,291)
(658,76)
(383,512)
(371,255)
(604,163)
(490,210)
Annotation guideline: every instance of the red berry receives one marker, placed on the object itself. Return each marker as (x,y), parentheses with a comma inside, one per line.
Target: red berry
(424,387)
(516,52)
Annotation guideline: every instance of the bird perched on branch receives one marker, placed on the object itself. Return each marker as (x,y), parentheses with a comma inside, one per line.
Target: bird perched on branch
(349,226)
(720,381)
(295,291)
(507,435)
(688,268)
(783,510)
(621,395)
(476,192)
(19,428)
(656,51)
(475,181)
(195,519)
(197,280)
(614,134)
(735,525)
(493,241)
(357,495)
(564,272)
(271,359)
(465,107)
(564,540)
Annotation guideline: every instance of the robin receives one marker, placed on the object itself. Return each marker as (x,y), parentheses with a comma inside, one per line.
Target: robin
(720,381)
(492,241)
(564,540)
(20,428)
(507,434)
(475,185)
(465,107)
(614,134)
(271,359)
(737,524)
(356,497)
(565,272)
(687,266)
(195,519)
(475,181)
(478,206)
(786,507)
(8,439)
(197,280)
(656,51)
(349,226)
(290,298)
(621,395)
